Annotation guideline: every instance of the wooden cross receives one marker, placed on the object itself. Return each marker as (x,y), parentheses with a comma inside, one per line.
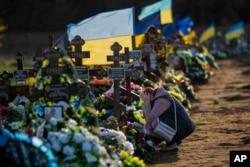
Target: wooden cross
(55,91)
(116,58)
(20,75)
(78,55)
(146,50)
(53,69)
(39,58)
(127,91)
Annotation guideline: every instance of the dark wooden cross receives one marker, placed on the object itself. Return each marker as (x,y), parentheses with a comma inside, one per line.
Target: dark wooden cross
(20,75)
(146,50)
(129,74)
(78,55)
(116,58)
(149,60)
(55,91)
(38,58)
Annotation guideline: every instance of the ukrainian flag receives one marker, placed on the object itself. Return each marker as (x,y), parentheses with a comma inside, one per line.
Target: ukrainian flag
(208,33)
(235,31)
(141,27)
(164,7)
(185,29)
(101,31)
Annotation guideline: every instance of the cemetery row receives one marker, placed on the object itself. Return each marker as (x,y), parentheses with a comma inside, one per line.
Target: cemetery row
(80,119)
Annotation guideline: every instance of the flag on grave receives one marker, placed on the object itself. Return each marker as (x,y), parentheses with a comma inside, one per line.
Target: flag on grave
(235,31)
(101,31)
(164,7)
(208,33)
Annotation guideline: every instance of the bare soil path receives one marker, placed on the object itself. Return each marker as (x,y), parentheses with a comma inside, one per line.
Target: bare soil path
(222,116)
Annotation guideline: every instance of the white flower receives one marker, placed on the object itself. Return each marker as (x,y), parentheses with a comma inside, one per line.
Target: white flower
(78,138)
(129,147)
(84,131)
(53,121)
(86,146)
(93,139)
(72,123)
(120,136)
(90,157)
(63,138)
(99,149)
(69,151)
(57,146)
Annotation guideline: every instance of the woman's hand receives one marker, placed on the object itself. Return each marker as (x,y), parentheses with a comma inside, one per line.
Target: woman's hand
(146,97)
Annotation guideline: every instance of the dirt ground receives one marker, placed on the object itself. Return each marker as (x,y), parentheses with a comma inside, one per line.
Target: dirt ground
(222,117)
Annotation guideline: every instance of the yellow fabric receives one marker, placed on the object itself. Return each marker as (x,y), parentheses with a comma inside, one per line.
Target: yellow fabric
(209,33)
(234,34)
(166,16)
(138,40)
(189,37)
(100,49)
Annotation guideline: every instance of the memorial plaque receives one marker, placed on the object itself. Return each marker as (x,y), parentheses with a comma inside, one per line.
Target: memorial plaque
(116,73)
(147,48)
(82,72)
(20,75)
(135,54)
(56,92)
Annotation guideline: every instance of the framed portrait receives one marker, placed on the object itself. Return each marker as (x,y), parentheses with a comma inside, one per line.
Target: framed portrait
(53,111)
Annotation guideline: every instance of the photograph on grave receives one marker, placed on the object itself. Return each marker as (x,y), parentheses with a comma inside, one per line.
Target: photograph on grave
(53,111)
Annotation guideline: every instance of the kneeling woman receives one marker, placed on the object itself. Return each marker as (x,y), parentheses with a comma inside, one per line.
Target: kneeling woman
(160,105)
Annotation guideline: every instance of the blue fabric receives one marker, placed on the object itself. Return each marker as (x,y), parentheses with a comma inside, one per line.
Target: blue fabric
(5,136)
(104,25)
(154,8)
(150,21)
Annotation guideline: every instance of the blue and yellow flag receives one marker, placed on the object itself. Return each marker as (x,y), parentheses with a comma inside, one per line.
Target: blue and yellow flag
(164,7)
(141,27)
(185,29)
(235,31)
(101,31)
(208,33)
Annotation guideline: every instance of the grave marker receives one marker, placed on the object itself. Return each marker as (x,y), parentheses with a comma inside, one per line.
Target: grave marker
(20,75)
(55,91)
(129,73)
(38,58)
(78,55)
(116,58)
